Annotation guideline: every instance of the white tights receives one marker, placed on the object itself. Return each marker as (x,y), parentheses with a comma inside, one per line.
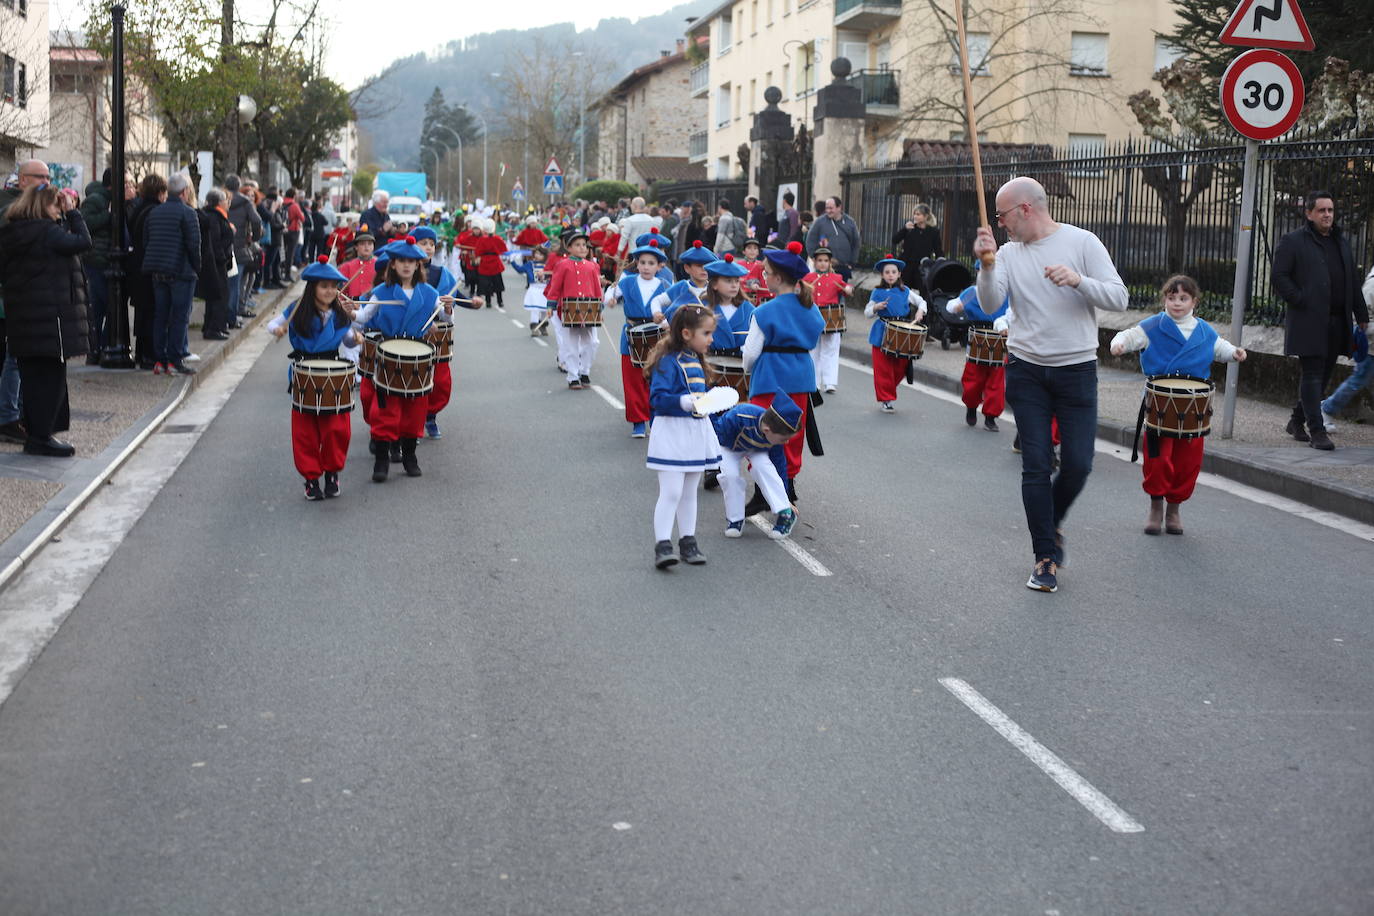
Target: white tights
(677,496)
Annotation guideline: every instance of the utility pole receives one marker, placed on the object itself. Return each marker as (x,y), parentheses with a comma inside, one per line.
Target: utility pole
(227,147)
(117,353)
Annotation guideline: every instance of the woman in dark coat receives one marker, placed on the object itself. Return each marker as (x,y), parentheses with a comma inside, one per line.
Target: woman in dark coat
(216,257)
(45,308)
(151,192)
(917,239)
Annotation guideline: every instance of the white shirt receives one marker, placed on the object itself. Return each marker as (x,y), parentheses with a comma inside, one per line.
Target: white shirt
(1133,339)
(913,299)
(635,225)
(646,291)
(660,302)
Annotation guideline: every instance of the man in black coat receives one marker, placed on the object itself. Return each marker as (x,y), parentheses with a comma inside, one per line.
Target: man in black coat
(760,220)
(171,256)
(1314,271)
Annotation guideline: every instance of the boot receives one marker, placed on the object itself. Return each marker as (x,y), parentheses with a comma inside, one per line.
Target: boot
(1295,428)
(1155,519)
(710,480)
(412,466)
(757,503)
(687,549)
(381,463)
(394,451)
(1317,433)
(663,555)
(1173,524)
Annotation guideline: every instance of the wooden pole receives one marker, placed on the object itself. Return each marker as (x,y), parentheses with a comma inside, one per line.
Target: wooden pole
(972,123)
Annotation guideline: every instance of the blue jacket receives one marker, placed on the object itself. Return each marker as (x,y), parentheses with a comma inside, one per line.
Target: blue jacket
(895,304)
(680,293)
(171,240)
(444,282)
(322,340)
(1169,354)
(785,322)
(404,320)
(637,311)
(739,429)
(675,375)
(730,333)
(974,312)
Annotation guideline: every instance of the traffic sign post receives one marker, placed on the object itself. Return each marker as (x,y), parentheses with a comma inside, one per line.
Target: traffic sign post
(552,168)
(1262,94)
(517,191)
(1268,24)
(553,184)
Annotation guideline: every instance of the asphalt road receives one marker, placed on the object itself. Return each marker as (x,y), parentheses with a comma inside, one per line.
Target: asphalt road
(472,693)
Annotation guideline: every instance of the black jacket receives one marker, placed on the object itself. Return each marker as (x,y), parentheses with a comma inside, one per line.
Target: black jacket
(171,240)
(216,255)
(45,286)
(1301,278)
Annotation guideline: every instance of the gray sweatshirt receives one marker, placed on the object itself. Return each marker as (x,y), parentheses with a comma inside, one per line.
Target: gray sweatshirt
(1054,325)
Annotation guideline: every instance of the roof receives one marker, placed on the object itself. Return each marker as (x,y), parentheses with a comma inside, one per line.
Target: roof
(1000,161)
(75,55)
(921,152)
(667,168)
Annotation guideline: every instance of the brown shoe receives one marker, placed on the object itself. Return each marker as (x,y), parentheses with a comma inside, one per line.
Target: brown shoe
(1155,520)
(1173,524)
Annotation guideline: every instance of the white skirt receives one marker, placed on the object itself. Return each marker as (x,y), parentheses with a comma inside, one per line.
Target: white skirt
(534,296)
(682,444)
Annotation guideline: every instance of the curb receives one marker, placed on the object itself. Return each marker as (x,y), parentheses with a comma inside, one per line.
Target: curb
(1329,497)
(39,530)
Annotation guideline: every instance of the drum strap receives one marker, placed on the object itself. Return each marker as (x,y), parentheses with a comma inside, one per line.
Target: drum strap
(786,350)
(712,351)
(318,354)
(813,432)
(1139,425)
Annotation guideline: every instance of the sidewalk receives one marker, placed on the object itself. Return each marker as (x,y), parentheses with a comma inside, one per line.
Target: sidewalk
(1260,454)
(113,411)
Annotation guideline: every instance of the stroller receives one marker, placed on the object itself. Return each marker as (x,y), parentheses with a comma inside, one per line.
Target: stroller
(944,280)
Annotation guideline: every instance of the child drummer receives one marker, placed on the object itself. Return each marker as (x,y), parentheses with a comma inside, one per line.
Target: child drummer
(690,290)
(1174,342)
(754,285)
(827,289)
(576,277)
(746,432)
(318,325)
(445,284)
(637,290)
(983,385)
(890,301)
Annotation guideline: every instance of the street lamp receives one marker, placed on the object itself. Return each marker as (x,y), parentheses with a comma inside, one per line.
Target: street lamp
(435,153)
(454,134)
(484,149)
(582,127)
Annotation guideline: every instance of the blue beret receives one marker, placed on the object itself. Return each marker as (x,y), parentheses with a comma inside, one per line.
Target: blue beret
(424,232)
(787,262)
(883,262)
(697,254)
(323,270)
(648,248)
(725,267)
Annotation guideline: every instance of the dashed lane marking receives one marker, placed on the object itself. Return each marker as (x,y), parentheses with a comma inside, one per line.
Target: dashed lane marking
(608,397)
(798,552)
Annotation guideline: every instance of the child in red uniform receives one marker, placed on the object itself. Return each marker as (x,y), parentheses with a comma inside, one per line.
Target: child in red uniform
(984,385)
(827,287)
(755,285)
(488,249)
(575,277)
(890,300)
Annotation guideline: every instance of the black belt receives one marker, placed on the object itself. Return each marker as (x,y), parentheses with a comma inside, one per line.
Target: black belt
(786,350)
(318,354)
(715,351)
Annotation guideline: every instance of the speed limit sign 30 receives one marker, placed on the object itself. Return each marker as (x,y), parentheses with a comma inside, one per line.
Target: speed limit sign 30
(1262,94)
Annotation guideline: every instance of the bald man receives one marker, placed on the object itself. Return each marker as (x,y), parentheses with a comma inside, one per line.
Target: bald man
(1057,276)
(636,224)
(32,173)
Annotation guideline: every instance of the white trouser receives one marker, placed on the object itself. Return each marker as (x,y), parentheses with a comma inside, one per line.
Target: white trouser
(560,335)
(536,314)
(581,351)
(677,498)
(826,356)
(763,472)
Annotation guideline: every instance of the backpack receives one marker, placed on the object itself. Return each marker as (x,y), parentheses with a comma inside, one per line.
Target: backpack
(279,218)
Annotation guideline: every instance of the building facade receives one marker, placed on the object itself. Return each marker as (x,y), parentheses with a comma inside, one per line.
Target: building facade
(646,122)
(1057,72)
(23,80)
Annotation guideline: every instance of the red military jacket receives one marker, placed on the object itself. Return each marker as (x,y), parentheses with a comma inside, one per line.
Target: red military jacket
(573,278)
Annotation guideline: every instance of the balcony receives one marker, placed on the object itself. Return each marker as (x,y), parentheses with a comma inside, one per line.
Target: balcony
(879,91)
(701,78)
(866,15)
(696,147)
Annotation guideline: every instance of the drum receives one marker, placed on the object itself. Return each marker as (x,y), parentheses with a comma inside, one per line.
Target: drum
(322,387)
(642,339)
(440,337)
(834,317)
(1178,406)
(903,339)
(986,347)
(731,372)
(405,367)
(367,353)
(581,313)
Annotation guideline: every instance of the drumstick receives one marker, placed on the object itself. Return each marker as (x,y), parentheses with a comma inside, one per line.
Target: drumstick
(988,259)
(438,310)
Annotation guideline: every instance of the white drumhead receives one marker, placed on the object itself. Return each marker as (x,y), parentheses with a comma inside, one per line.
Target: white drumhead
(324,365)
(400,346)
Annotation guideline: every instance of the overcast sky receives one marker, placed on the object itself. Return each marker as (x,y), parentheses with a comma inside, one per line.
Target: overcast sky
(361,44)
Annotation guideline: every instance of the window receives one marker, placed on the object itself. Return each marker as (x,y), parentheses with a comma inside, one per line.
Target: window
(787,7)
(7,69)
(1087,146)
(769,11)
(723,168)
(739,26)
(1166,53)
(723,105)
(739,101)
(753,96)
(727,33)
(23,87)
(806,73)
(1088,54)
(786,80)
(979,47)
(856,52)
(754,18)
(24,8)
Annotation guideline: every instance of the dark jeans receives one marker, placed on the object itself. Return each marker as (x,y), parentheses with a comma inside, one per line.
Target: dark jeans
(171,316)
(98,292)
(1316,376)
(142,294)
(1038,395)
(43,380)
(292,241)
(272,266)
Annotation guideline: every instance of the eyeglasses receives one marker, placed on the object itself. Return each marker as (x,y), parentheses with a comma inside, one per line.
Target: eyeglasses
(42,177)
(1002,214)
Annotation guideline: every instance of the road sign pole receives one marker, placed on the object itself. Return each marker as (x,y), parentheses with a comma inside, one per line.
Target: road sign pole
(1244,245)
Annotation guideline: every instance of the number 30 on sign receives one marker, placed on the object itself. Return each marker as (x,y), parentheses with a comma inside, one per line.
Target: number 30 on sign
(1262,94)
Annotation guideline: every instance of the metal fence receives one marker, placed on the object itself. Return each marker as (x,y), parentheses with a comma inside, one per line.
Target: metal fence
(1158,210)
(708,192)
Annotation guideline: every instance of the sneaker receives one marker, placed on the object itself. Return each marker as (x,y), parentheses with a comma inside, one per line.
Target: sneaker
(1042,578)
(312,490)
(888,408)
(534,332)
(688,550)
(1061,550)
(971,416)
(248,313)
(638,431)
(586,381)
(544,331)
(1297,429)
(159,368)
(1329,422)
(1016,444)
(710,480)
(191,358)
(432,429)
(575,385)
(179,369)
(787,518)
(989,423)
(829,389)
(663,555)
(734,529)
(331,484)
(1320,440)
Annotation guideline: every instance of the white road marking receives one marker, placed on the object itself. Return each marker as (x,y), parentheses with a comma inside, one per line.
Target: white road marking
(608,397)
(516,322)
(1253,494)
(541,343)
(501,309)
(1102,807)
(610,340)
(799,553)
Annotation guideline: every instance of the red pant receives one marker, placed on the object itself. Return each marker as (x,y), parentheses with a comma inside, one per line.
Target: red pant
(888,372)
(636,391)
(985,385)
(793,448)
(443,387)
(398,418)
(319,444)
(1173,474)
(367,396)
